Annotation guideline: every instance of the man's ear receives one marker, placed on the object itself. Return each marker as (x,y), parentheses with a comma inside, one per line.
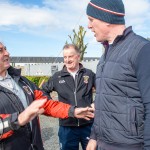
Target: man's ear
(79,57)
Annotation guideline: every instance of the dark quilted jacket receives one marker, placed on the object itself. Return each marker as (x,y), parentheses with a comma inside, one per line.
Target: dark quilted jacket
(119,111)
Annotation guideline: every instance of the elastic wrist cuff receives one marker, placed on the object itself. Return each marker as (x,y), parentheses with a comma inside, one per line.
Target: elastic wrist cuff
(13,121)
(71,111)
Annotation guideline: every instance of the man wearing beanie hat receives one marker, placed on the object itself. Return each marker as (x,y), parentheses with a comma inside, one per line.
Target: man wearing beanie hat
(122,102)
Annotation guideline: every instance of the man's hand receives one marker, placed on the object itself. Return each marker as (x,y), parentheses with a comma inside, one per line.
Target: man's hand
(92,105)
(33,110)
(85,113)
(92,145)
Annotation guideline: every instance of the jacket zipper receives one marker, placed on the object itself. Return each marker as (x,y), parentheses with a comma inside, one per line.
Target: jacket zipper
(75,93)
(75,90)
(107,55)
(32,146)
(102,69)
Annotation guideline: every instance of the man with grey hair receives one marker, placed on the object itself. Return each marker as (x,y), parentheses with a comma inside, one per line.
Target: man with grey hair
(74,85)
(21,101)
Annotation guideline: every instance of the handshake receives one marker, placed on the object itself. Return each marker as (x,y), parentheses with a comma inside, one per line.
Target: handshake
(85,113)
(36,108)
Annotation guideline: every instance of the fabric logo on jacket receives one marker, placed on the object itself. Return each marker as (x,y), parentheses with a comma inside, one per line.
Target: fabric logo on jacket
(61,81)
(26,88)
(86,79)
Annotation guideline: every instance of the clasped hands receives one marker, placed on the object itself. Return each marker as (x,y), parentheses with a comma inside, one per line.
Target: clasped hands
(35,108)
(85,113)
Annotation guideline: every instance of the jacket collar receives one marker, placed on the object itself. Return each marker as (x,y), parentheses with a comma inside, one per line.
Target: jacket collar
(119,37)
(6,77)
(13,71)
(64,71)
(124,35)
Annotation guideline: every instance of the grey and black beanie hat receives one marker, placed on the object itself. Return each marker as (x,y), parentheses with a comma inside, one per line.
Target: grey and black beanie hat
(111,11)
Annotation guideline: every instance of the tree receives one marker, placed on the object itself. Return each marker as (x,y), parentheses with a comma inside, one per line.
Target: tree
(78,40)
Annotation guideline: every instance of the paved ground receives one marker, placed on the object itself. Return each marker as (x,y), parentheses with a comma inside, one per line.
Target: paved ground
(49,131)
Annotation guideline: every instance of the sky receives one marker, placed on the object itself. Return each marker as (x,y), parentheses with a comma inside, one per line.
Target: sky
(40,28)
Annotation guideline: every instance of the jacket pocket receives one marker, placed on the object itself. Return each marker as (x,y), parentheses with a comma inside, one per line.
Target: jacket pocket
(133,121)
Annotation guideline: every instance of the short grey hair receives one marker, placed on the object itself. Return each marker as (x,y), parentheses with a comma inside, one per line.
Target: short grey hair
(67,46)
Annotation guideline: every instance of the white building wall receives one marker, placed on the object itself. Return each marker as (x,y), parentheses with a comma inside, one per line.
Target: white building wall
(91,64)
(47,69)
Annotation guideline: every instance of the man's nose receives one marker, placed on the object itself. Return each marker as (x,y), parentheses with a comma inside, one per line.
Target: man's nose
(89,25)
(6,52)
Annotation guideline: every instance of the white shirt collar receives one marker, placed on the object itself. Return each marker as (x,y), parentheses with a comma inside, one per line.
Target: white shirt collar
(6,77)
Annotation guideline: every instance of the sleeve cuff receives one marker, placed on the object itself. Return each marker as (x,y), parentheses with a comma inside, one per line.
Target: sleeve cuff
(71,111)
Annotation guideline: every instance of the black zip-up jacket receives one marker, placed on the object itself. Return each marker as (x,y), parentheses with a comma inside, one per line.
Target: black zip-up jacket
(23,138)
(76,92)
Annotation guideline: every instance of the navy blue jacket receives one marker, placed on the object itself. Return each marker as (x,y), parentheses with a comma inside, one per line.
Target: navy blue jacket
(122,95)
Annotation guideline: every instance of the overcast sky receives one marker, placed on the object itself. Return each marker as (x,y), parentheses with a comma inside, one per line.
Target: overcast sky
(41,27)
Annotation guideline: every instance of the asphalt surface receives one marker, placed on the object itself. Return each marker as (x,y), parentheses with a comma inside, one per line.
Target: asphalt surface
(49,130)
